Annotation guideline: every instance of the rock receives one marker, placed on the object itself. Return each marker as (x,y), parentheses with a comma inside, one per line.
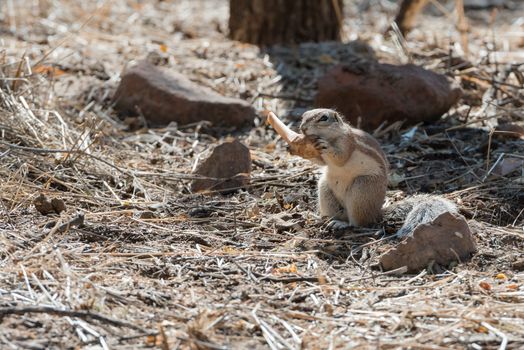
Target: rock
(445,240)
(284,221)
(511,130)
(46,206)
(147,214)
(76,221)
(227,169)
(508,165)
(200,212)
(518,265)
(163,96)
(384,92)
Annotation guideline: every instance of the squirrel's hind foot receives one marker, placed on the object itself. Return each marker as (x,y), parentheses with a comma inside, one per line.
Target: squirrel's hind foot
(337,225)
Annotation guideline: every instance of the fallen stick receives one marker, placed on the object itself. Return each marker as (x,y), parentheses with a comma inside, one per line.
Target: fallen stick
(86,315)
(299,144)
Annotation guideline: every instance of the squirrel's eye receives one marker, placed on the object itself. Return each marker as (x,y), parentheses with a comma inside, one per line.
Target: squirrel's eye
(324,118)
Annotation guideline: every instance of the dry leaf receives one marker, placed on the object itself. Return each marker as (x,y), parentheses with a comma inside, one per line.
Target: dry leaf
(286,269)
(253,212)
(485,285)
(501,276)
(321,279)
(326,59)
(481,329)
(270,147)
(230,250)
(181,217)
(268,195)
(151,340)
(49,70)
(328,308)
(137,6)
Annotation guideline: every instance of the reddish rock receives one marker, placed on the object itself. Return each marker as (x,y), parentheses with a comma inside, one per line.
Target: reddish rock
(518,265)
(384,92)
(163,96)
(508,165)
(446,239)
(46,206)
(227,169)
(511,130)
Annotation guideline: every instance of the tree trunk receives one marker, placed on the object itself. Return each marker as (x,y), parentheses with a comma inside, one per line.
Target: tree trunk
(409,9)
(269,22)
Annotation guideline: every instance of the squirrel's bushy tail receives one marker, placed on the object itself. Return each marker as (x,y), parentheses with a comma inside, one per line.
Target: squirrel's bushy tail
(416,210)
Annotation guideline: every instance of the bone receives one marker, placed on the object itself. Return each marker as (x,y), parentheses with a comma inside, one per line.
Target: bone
(299,144)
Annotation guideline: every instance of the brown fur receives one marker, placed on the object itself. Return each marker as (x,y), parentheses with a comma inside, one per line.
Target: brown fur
(365,199)
(329,205)
(376,151)
(353,185)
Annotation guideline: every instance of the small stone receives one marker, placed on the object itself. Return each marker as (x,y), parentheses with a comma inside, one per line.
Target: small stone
(200,212)
(511,130)
(58,205)
(508,165)
(384,92)
(284,221)
(147,214)
(227,169)
(518,265)
(445,240)
(164,96)
(45,206)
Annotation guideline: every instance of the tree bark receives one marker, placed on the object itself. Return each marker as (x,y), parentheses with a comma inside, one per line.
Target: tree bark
(269,22)
(409,9)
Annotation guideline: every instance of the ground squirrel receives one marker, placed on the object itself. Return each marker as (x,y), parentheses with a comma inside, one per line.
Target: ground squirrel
(352,187)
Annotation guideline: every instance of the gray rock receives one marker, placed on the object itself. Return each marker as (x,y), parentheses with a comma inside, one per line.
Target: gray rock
(163,96)
(227,169)
(384,92)
(446,239)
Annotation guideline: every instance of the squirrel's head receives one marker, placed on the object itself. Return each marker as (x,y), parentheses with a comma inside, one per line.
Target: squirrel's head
(322,122)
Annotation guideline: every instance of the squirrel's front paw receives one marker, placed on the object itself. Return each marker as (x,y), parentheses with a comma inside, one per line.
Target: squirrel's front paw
(320,144)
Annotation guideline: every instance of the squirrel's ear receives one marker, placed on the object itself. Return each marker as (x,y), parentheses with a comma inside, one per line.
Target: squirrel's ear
(339,117)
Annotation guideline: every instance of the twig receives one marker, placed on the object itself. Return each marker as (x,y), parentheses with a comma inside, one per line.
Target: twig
(47,150)
(287,279)
(86,315)
(498,333)
(462,25)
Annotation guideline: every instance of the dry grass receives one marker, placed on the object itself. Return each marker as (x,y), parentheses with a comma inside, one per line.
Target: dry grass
(154,265)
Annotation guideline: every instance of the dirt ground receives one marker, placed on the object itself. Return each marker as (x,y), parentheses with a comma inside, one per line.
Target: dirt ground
(138,261)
